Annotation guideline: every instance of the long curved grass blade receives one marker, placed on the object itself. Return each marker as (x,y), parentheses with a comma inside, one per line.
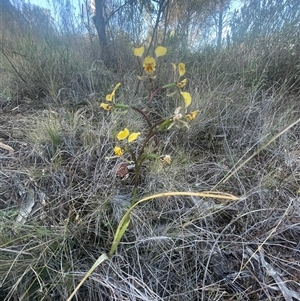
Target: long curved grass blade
(102,258)
(123,225)
(124,222)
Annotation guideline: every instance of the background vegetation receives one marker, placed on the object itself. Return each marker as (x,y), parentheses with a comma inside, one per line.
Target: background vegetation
(60,198)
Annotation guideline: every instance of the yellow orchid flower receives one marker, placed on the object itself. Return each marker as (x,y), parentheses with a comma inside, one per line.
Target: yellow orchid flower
(109,97)
(123,134)
(133,136)
(191,116)
(160,51)
(181,69)
(139,51)
(187,98)
(177,120)
(118,151)
(182,83)
(106,106)
(149,64)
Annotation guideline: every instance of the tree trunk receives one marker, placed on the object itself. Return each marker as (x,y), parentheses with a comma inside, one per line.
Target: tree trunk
(100,24)
(220,24)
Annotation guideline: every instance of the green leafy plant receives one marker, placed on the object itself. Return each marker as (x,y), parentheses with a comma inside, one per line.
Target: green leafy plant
(181,117)
(125,138)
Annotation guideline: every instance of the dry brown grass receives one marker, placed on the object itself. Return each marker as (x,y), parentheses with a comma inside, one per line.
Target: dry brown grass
(177,248)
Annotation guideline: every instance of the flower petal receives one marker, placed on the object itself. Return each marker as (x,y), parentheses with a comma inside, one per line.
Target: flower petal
(133,137)
(181,69)
(108,97)
(165,124)
(167,159)
(177,111)
(123,134)
(191,116)
(177,114)
(139,51)
(174,67)
(149,64)
(116,87)
(171,94)
(160,51)
(187,98)
(181,84)
(118,151)
(105,106)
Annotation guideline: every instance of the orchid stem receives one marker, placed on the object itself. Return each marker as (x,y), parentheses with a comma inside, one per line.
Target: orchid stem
(152,95)
(142,113)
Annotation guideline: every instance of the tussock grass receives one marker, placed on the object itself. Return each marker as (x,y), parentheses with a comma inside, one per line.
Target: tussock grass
(175,247)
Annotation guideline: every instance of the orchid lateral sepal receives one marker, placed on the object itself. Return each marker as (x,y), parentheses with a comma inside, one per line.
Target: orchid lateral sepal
(121,106)
(151,156)
(171,85)
(165,125)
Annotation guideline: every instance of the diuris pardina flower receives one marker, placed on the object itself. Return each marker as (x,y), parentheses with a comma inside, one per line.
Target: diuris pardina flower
(123,134)
(177,114)
(118,151)
(181,84)
(106,106)
(177,120)
(191,116)
(110,98)
(149,63)
(126,134)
